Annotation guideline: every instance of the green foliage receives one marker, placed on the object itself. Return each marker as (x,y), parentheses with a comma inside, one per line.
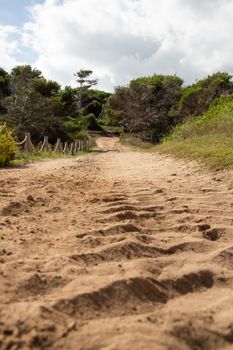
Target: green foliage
(88,122)
(4,83)
(83,78)
(92,101)
(144,106)
(152,106)
(218,119)
(34,104)
(207,137)
(110,116)
(47,88)
(155,134)
(93,107)
(216,81)
(95,99)
(85,82)
(70,127)
(135,142)
(156,81)
(149,106)
(29,111)
(8,146)
(98,95)
(30,103)
(214,151)
(69,101)
(190,96)
(197,98)
(24,72)
(4,88)
(75,128)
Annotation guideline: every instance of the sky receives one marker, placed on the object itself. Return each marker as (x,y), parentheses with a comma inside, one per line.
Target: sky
(118,39)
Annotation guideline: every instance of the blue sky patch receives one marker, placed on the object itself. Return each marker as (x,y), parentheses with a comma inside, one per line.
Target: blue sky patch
(15,12)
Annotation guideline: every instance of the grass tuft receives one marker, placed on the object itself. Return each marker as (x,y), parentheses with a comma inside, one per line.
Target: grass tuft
(208,138)
(215,152)
(23,158)
(135,142)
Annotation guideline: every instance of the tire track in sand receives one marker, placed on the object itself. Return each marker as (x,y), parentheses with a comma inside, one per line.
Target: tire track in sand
(116,251)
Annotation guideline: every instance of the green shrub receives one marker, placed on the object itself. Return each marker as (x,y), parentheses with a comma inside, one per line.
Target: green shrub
(197,98)
(70,128)
(8,146)
(207,138)
(94,107)
(217,120)
(88,122)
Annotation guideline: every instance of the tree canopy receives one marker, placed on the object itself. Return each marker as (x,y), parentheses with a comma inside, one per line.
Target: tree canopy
(149,106)
(31,103)
(152,106)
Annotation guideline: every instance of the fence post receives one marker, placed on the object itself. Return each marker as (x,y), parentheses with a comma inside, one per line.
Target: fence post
(40,144)
(87,145)
(76,147)
(28,147)
(45,146)
(72,148)
(66,149)
(58,146)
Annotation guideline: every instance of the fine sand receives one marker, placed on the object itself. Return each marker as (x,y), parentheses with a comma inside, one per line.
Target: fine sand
(118,250)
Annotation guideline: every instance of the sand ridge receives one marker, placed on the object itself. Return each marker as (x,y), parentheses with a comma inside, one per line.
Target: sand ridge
(116,250)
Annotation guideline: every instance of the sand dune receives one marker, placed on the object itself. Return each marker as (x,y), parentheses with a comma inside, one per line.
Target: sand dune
(116,250)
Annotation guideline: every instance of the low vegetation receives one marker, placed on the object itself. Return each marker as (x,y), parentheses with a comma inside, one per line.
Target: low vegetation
(135,142)
(207,137)
(8,146)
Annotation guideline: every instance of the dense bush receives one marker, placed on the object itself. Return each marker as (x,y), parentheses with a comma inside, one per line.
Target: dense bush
(143,107)
(152,106)
(207,138)
(8,146)
(196,99)
(88,122)
(93,107)
(70,128)
(217,120)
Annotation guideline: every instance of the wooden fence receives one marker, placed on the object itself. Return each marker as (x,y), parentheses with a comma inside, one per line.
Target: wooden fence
(67,148)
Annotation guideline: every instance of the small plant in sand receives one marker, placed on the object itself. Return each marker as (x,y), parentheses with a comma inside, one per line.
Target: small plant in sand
(8,145)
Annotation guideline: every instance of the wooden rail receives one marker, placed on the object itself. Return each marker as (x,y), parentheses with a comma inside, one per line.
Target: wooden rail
(59,147)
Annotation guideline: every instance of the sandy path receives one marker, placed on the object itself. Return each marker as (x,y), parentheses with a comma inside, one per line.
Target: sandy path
(116,250)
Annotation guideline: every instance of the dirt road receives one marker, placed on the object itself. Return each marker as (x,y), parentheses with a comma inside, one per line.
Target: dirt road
(117,250)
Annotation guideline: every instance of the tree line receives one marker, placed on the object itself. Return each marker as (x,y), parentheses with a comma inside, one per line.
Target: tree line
(31,103)
(152,106)
(148,106)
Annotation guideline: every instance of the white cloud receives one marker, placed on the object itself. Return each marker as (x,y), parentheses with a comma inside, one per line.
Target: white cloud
(9,46)
(123,39)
